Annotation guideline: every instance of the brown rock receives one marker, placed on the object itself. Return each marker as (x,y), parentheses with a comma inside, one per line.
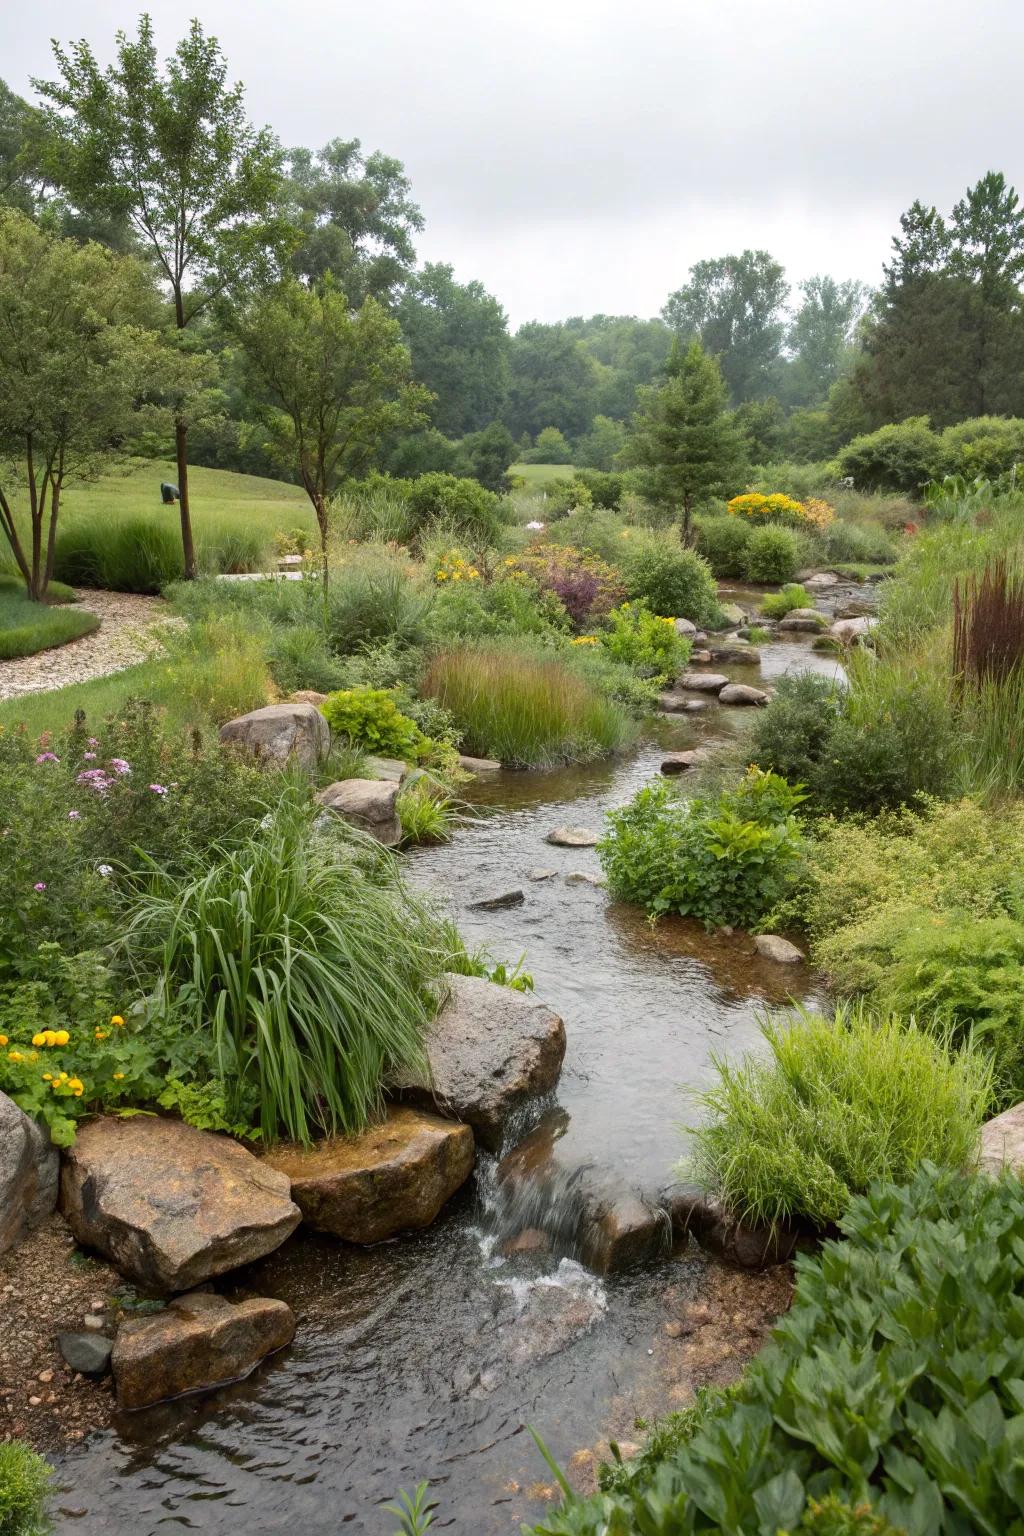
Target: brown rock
(530,1240)
(307,696)
(392,769)
(279,733)
(368,804)
(736,655)
(29,1168)
(197,1343)
(621,1229)
(702,682)
(742,693)
(171,1206)
(680,762)
(391,1178)
(490,1049)
(1002,1142)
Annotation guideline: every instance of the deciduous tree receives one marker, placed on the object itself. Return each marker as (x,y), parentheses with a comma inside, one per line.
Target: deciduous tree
(733,307)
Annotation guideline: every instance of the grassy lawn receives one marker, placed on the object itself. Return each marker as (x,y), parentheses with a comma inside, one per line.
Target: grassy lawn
(26,628)
(534,476)
(54,710)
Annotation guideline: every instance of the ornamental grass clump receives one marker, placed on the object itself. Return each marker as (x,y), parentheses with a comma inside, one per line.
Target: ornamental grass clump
(836,1105)
(525,707)
(305,959)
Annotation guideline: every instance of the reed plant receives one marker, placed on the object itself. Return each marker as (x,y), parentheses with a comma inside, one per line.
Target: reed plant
(141,554)
(525,707)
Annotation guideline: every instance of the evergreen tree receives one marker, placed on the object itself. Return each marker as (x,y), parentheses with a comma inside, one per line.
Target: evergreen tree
(683,444)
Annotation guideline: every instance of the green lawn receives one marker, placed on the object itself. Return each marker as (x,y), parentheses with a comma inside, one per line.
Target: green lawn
(54,710)
(26,628)
(535,476)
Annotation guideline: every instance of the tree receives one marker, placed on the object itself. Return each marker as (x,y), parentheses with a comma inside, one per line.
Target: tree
(681,440)
(821,337)
(486,456)
(458,336)
(733,307)
(554,382)
(629,352)
(330,384)
(73,368)
(356,219)
(20,178)
(599,448)
(172,152)
(551,447)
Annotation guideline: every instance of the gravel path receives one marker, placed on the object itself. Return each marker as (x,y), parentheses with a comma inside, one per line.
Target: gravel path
(127,634)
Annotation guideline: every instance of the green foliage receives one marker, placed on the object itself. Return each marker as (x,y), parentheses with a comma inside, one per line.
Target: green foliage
(506,606)
(592,529)
(463,507)
(138,554)
(425,811)
(304,959)
(524,707)
(370,718)
(458,336)
(667,1435)
(24,1487)
(734,305)
(605,489)
(372,598)
(891,1387)
(772,555)
(864,543)
(27,627)
(793,736)
(551,447)
(723,861)
(984,446)
(722,541)
(415,1512)
(645,641)
(775,605)
(597,450)
(898,457)
(672,580)
(835,1106)
(205,1106)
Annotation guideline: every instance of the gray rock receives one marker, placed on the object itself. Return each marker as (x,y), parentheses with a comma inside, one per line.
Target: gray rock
(1002,1143)
(87,1353)
(478,765)
(682,762)
(581,877)
(490,1050)
(684,627)
(572,837)
(732,614)
(391,769)
(702,682)
(742,693)
(850,631)
(821,579)
(541,874)
(736,655)
(369,804)
(680,704)
(171,1206)
(197,1343)
(391,1178)
(280,733)
(774,947)
(29,1171)
(497,903)
(803,620)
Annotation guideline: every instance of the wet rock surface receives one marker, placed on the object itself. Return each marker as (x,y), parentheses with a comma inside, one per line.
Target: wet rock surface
(702,682)
(199,1342)
(682,762)
(368,804)
(391,1178)
(572,837)
(490,1050)
(497,903)
(171,1206)
(774,947)
(281,733)
(742,694)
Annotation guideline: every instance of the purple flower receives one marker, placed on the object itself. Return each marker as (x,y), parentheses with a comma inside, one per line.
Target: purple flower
(40,885)
(120,766)
(95,778)
(88,757)
(47,757)
(74,815)
(94,741)
(159,789)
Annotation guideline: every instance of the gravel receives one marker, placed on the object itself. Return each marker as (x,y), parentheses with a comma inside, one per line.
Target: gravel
(128,633)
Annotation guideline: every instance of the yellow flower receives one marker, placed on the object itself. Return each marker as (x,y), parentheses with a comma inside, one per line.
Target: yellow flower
(14,1056)
(61,1037)
(39,1039)
(101,1034)
(62,1077)
(75,1083)
(118,1077)
(117,1019)
(3,1039)
(47,1077)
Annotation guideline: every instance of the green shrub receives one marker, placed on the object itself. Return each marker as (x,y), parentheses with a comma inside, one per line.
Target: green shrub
(511,605)
(374,598)
(645,641)
(593,530)
(24,1485)
(670,579)
(605,488)
(773,554)
(836,1105)
(723,861)
(863,543)
(425,811)
(462,506)
(793,736)
(722,541)
(131,554)
(891,1387)
(617,681)
(898,457)
(984,445)
(369,718)
(299,657)
(215,670)
(523,707)
(303,957)
(775,605)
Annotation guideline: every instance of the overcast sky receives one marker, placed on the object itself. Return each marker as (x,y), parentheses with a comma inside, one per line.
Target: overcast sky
(579,157)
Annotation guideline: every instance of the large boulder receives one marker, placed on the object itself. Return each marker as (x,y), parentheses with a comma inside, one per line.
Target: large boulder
(197,1343)
(742,693)
(29,1170)
(774,947)
(572,837)
(171,1206)
(489,1051)
(852,631)
(702,682)
(391,1178)
(281,733)
(686,628)
(369,804)
(1002,1142)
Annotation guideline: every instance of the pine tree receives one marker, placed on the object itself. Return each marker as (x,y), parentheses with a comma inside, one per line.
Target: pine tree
(684,445)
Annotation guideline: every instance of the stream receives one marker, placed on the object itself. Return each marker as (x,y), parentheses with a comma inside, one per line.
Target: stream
(429,1356)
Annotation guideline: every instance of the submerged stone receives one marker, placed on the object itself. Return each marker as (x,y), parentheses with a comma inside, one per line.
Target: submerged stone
(197,1343)
(497,903)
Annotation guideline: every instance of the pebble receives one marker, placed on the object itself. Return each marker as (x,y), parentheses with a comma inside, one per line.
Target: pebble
(45,1376)
(34,1402)
(93,1323)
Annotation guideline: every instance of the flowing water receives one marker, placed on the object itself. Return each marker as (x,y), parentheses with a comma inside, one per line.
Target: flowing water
(429,1356)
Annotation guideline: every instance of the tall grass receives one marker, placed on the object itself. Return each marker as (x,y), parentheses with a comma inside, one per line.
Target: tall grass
(835,1106)
(141,554)
(525,708)
(308,960)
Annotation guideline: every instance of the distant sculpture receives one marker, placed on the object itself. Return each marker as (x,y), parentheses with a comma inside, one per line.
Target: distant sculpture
(169,494)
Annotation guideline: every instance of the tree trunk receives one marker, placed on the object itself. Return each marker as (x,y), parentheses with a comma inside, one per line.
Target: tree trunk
(685,531)
(188,547)
(320,506)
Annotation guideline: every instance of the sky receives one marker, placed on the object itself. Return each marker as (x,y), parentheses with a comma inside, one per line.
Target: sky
(578,158)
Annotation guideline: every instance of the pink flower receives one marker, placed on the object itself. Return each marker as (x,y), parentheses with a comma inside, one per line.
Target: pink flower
(47,757)
(159,789)
(95,778)
(74,815)
(88,757)
(120,766)
(94,741)
(40,885)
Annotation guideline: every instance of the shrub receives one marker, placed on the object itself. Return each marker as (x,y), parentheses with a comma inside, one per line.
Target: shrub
(772,555)
(835,1106)
(511,605)
(24,1484)
(777,604)
(524,708)
(898,457)
(375,597)
(642,640)
(722,541)
(299,657)
(793,736)
(592,530)
(984,445)
(670,579)
(586,587)
(605,488)
(756,509)
(303,957)
(142,554)
(887,1399)
(369,718)
(723,861)
(462,506)
(215,670)
(868,544)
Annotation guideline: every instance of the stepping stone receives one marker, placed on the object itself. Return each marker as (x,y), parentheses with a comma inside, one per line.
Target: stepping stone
(573,837)
(742,693)
(776,948)
(368,804)
(478,764)
(702,682)
(197,1343)
(679,704)
(681,762)
(497,903)
(390,1178)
